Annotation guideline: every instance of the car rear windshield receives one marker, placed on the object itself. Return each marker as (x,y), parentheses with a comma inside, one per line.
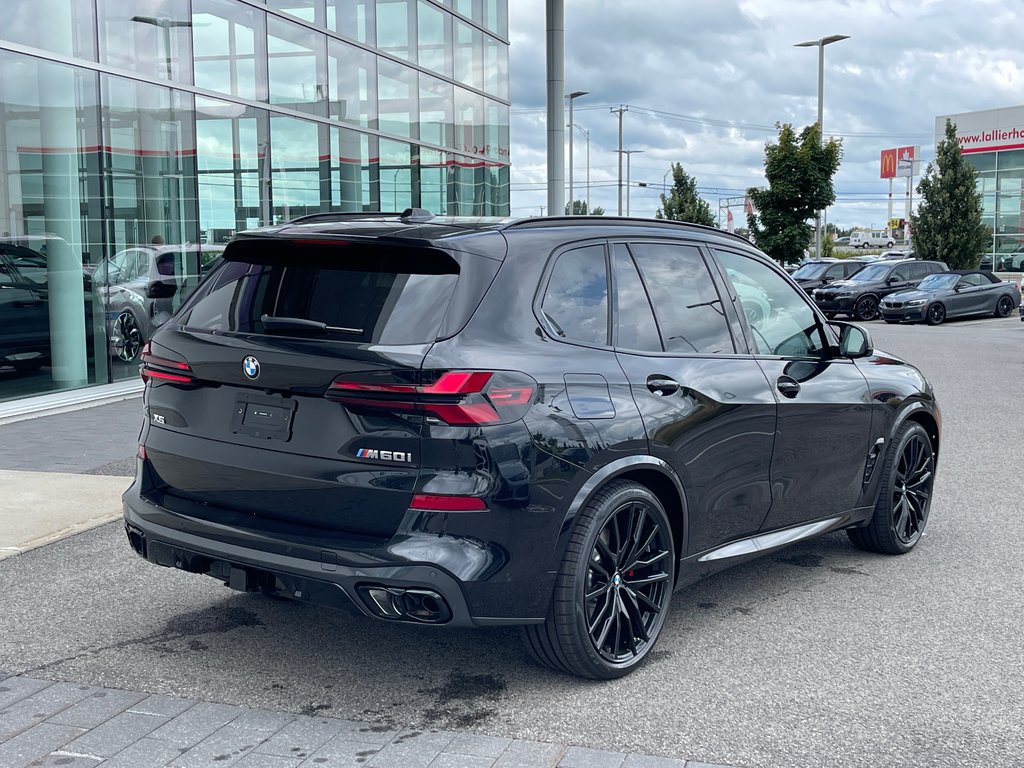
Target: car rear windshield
(364,294)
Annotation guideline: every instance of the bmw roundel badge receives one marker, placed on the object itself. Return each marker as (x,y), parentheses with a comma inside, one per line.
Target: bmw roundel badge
(251,367)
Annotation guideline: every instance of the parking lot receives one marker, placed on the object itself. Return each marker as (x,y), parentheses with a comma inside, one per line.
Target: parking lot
(820,655)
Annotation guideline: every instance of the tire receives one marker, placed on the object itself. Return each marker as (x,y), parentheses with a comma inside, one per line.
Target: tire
(901,512)
(936,314)
(1004,306)
(126,337)
(596,593)
(866,308)
(890,244)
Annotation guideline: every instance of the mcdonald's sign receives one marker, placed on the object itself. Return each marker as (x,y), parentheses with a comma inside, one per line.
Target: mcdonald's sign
(888,163)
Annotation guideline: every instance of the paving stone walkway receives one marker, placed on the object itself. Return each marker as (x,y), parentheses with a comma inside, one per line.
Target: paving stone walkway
(45,724)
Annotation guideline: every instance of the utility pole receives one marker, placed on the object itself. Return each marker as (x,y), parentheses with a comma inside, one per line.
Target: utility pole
(556,104)
(620,112)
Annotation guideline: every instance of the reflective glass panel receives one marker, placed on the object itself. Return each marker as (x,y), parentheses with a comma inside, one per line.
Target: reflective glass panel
(230,48)
(395,25)
(307,10)
(434,38)
(395,175)
(436,111)
(433,181)
(496,16)
(355,176)
(352,18)
(496,131)
(353,84)
(150,37)
(295,150)
(469,122)
(51,320)
(296,67)
(468,55)
(495,67)
(61,26)
(229,164)
(396,94)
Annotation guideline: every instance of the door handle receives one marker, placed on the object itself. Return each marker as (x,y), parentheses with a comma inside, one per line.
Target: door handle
(662,385)
(787,386)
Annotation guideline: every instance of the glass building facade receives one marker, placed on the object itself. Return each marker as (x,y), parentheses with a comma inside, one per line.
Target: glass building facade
(137,136)
(993,141)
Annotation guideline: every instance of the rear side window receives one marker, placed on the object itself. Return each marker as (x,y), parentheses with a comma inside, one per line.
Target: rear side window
(635,324)
(575,302)
(380,295)
(688,308)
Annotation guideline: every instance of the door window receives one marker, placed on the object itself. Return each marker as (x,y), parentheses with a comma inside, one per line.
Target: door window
(836,272)
(689,311)
(575,303)
(973,280)
(901,274)
(636,327)
(782,321)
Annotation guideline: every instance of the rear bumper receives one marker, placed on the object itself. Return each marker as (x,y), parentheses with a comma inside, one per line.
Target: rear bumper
(327,571)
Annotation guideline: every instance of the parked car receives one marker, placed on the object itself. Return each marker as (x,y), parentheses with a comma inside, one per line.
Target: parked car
(897,255)
(24,318)
(816,274)
(25,308)
(489,430)
(859,295)
(959,293)
(142,287)
(845,240)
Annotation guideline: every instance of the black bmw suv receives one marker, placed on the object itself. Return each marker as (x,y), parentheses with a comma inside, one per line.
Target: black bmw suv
(548,422)
(860,295)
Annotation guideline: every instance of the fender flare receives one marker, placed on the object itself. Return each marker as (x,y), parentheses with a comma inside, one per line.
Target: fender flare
(615,469)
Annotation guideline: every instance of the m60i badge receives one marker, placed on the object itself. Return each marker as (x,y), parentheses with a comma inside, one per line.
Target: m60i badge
(403,457)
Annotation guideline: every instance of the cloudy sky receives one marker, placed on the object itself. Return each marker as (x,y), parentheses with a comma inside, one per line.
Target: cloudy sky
(706,80)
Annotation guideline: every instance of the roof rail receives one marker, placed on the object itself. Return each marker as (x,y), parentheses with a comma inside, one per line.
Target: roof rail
(311,218)
(565,221)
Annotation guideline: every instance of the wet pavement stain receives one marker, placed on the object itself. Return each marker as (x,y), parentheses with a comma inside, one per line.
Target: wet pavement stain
(211,620)
(311,709)
(805,560)
(460,702)
(849,571)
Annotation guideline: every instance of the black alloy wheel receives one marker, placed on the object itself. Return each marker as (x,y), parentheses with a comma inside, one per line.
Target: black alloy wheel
(904,500)
(127,337)
(613,589)
(1004,306)
(866,308)
(936,314)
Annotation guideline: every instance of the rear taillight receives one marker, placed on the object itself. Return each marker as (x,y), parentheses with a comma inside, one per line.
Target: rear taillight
(458,398)
(155,368)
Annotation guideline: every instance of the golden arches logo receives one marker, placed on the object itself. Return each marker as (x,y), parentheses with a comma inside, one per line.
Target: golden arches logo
(888,163)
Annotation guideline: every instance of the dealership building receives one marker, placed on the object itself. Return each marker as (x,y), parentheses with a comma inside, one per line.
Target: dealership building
(993,141)
(137,137)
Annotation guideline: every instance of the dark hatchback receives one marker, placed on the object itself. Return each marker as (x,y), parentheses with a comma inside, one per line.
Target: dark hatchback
(960,293)
(550,422)
(860,295)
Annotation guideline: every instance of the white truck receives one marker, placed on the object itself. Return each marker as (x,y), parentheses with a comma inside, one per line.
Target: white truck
(871,238)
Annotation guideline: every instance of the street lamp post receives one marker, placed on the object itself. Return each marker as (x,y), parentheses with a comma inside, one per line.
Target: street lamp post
(820,44)
(586,135)
(572,97)
(628,153)
(166,25)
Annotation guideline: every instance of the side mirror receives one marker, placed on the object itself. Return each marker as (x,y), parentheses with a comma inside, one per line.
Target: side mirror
(854,341)
(890,280)
(162,289)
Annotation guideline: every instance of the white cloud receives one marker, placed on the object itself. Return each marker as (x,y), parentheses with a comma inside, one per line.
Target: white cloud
(733,61)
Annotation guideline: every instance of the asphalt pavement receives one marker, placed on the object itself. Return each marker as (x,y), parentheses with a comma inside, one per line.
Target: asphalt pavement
(820,655)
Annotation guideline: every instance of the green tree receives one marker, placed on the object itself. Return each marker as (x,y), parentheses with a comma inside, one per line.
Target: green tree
(799,170)
(947,226)
(579,208)
(683,203)
(828,246)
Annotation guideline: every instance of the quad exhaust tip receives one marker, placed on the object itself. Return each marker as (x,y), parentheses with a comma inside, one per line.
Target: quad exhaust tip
(422,606)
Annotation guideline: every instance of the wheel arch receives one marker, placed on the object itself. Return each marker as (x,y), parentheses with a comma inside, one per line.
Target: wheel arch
(926,419)
(650,472)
